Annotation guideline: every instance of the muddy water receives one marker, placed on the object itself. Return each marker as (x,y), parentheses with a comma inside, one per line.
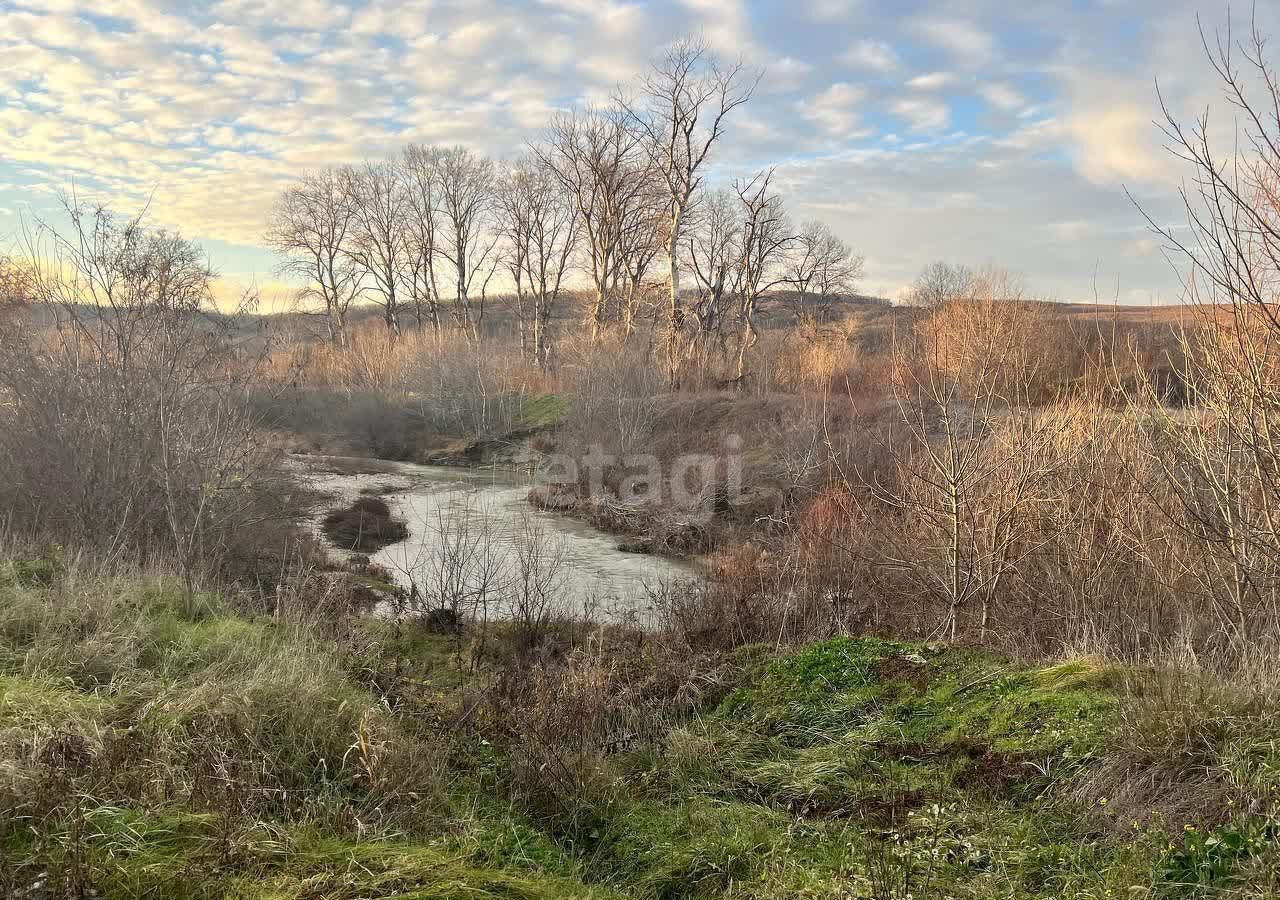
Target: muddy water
(477,522)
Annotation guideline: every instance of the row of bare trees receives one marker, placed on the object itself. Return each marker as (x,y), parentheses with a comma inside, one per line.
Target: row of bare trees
(600,196)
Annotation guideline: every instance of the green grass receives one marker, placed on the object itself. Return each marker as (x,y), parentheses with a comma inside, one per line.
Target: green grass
(184,855)
(30,703)
(151,753)
(857,764)
(544,409)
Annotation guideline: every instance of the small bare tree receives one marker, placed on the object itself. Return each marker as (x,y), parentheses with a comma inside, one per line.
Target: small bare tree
(839,267)
(540,226)
(940,282)
(467,239)
(1223,458)
(976,461)
(686,98)
(16,285)
(381,204)
(821,263)
(459,572)
(537,593)
(764,239)
(313,226)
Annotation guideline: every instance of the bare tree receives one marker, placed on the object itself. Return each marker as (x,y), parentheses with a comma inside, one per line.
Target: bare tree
(820,262)
(130,428)
(540,225)
(685,99)
(765,237)
(16,286)
(939,283)
(312,225)
(597,160)
(460,570)
(973,476)
(422,185)
(839,267)
(714,243)
(1223,458)
(537,594)
(640,243)
(381,204)
(467,240)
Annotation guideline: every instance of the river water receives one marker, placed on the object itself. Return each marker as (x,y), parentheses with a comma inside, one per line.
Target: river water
(472,531)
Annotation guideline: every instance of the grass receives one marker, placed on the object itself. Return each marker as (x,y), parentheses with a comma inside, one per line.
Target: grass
(145,753)
(861,759)
(542,410)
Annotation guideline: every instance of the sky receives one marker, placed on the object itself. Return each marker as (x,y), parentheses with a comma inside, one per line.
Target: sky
(971,131)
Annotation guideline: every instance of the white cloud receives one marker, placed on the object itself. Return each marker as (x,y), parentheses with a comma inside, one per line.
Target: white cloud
(975,204)
(876,56)
(1002,96)
(966,42)
(1114,143)
(213,107)
(922,113)
(727,26)
(785,75)
(832,10)
(835,110)
(932,81)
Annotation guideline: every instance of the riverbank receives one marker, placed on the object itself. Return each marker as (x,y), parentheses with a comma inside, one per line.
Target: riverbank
(693,428)
(473,539)
(157,750)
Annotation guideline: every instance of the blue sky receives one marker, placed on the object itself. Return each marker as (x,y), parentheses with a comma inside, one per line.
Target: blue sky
(969,130)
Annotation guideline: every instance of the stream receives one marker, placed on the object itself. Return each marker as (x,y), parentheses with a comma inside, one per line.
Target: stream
(475,526)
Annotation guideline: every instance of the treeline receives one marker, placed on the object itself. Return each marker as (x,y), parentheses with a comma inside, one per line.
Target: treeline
(618,194)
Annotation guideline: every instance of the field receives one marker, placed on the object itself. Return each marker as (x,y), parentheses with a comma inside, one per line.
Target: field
(988,594)
(152,752)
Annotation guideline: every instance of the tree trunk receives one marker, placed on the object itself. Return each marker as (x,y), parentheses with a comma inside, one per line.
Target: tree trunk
(674,313)
(748,341)
(597,312)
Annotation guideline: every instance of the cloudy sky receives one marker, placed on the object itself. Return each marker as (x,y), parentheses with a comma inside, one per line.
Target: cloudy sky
(966,130)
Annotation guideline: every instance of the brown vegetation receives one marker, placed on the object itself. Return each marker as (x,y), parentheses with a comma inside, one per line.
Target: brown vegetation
(366,526)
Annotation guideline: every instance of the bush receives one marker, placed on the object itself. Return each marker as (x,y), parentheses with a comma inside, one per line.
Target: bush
(124,424)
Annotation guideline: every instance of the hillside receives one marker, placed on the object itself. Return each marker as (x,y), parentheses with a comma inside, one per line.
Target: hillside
(146,751)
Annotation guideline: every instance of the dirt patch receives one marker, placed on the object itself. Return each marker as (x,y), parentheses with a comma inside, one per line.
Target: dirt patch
(887,811)
(891,811)
(906,669)
(993,770)
(366,526)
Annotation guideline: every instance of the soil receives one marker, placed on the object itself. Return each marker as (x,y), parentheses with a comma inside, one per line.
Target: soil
(366,526)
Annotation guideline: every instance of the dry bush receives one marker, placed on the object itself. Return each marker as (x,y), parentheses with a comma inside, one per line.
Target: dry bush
(395,397)
(563,717)
(128,427)
(614,386)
